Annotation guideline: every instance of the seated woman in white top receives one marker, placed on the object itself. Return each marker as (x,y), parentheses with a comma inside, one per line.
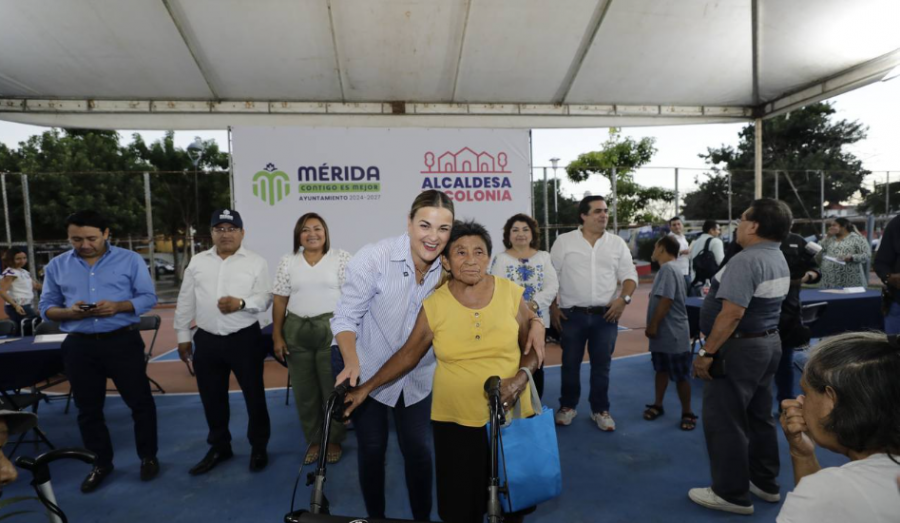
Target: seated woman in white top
(17,288)
(530,268)
(851,406)
(307,288)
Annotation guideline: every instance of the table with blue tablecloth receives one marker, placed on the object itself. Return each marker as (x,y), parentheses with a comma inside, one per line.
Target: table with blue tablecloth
(24,363)
(845,312)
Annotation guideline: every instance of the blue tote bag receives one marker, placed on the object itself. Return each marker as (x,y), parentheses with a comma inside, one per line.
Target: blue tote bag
(529,456)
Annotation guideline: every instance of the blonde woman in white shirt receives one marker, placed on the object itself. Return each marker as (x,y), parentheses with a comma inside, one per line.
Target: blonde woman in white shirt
(530,268)
(16,287)
(307,288)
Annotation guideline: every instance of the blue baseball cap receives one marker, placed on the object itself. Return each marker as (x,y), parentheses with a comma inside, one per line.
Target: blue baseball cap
(226,216)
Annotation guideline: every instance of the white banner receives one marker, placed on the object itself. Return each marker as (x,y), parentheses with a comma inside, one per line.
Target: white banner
(362,181)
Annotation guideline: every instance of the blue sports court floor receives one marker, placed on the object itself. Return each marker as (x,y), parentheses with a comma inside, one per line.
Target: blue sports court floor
(640,473)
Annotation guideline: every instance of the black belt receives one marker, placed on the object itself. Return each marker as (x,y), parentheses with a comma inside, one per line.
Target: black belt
(591,310)
(745,335)
(106,335)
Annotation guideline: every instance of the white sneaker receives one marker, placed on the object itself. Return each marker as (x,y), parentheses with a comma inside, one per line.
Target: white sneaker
(705,497)
(604,421)
(564,416)
(763,495)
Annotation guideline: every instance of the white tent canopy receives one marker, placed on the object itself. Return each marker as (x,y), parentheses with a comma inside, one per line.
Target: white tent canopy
(174,64)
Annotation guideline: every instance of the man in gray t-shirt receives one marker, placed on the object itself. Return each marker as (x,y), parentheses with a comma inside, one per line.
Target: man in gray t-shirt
(668,331)
(740,320)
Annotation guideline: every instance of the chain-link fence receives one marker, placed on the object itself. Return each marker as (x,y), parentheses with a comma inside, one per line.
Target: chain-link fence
(698,194)
(161,215)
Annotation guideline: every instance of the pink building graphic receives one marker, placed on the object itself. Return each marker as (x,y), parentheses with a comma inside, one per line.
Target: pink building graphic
(465,161)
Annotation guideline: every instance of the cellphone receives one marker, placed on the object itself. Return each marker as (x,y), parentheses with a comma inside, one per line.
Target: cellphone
(87,306)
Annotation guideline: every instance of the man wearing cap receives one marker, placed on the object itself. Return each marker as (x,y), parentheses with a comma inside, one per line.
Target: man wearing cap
(97,293)
(11,423)
(224,289)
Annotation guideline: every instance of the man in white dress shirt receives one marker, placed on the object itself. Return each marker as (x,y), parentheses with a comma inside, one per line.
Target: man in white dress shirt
(682,263)
(224,289)
(591,263)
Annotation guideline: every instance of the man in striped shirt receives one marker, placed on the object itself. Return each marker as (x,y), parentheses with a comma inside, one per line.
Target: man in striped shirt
(740,318)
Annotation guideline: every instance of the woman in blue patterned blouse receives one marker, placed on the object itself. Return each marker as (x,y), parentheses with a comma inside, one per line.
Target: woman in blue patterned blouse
(529,267)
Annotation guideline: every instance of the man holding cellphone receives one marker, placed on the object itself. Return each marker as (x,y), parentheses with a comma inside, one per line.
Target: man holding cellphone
(739,318)
(97,293)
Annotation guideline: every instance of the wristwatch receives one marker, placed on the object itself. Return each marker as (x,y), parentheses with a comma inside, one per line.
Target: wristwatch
(243,304)
(703,354)
(627,299)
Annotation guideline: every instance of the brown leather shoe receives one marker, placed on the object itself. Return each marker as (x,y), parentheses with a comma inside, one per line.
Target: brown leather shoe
(95,478)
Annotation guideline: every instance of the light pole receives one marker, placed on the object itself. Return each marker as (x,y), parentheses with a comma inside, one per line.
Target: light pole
(195,152)
(555,162)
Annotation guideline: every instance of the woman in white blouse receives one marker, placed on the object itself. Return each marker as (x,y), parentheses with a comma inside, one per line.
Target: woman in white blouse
(307,288)
(525,265)
(16,287)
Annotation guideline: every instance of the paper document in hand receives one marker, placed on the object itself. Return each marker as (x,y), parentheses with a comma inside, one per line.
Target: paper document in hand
(846,290)
(835,260)
(50,338)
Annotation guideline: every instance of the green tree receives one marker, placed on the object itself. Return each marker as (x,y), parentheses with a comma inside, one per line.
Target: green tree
(797,144)
(626,155)
(874,201)
(70,170)
(175,207)
(566,216)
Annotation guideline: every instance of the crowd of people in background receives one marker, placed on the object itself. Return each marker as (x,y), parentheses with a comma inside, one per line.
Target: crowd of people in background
(416,323)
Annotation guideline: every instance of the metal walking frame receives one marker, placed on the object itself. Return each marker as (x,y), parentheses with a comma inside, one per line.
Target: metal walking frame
(40,471)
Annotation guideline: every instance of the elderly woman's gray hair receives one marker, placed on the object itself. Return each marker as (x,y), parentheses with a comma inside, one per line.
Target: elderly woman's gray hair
(863,368)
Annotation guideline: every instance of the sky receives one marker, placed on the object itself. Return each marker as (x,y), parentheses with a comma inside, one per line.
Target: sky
(876,105)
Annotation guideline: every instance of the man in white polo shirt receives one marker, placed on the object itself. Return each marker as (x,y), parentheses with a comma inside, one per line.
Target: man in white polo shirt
(224,289)
(676,230)
(591,263)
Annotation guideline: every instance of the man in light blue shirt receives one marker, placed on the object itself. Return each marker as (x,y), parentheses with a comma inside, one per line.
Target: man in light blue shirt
(97,293)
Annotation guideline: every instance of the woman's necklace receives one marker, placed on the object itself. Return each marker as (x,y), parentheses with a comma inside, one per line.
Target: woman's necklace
(422,274)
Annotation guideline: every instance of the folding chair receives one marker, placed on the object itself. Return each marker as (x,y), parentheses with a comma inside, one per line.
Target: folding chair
(34,323)
(45,327)
(810,314)
(41,328)
(287,390)
(7,327)
(20,402)
(151,323)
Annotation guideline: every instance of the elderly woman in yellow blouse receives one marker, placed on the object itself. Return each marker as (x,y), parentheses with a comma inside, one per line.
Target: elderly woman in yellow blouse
(478,325)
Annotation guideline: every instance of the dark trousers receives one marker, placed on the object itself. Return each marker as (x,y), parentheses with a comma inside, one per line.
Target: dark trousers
(600,337)
(412,424)
(215,358)
(462,462)
(784,376)
(89,362)
(737,419)
(17,318)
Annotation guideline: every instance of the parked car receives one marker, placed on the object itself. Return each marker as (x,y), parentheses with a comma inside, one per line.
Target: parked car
(163,267)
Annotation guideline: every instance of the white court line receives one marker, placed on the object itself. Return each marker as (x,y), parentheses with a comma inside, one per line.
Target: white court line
(154,358)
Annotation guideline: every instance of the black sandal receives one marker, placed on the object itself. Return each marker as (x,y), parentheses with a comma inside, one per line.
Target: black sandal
(688,421)
(653,412)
